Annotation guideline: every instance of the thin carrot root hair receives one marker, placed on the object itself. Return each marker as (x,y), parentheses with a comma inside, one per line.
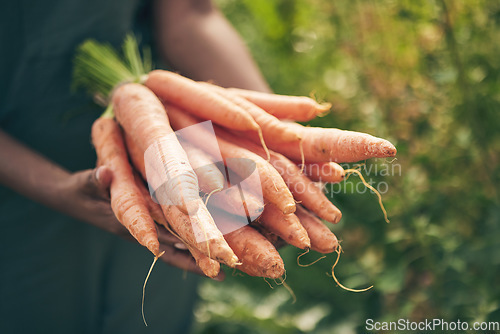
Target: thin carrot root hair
(263,143)
(289,289)
(302,156)
(309,264)
(270,285)
(272,179)
(144,286)
(358,166)
(184,241)
(348,172)
(325,106)
(278,281)
(206,236)
(338,251)
(175,234)
(312,94)
(282,279)
(236,273)
(210,194)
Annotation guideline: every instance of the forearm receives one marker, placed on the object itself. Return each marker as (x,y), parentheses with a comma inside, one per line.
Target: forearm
(28,173)
(79,195)
(196,40)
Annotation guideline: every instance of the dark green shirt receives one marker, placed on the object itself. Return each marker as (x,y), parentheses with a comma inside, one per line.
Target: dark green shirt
(58,275)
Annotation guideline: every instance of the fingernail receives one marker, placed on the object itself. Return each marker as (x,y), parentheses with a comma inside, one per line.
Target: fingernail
(97,173)
(180,245)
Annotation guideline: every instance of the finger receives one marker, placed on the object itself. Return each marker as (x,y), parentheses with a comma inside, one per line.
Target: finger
(103,177)
(86,182)
(101,181)
(280,243)
(180,245)
(167,238)
(180,259)
(96,182)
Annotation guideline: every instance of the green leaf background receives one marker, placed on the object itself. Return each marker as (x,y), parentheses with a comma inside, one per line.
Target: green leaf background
(425,75)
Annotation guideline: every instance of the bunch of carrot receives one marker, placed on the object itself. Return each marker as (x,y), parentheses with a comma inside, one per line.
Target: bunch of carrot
(254,132)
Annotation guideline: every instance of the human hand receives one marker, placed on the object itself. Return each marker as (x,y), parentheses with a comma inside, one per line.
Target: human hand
(85,195)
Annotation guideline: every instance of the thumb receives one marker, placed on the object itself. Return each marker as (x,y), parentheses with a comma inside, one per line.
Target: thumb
(103,177)
(98,181)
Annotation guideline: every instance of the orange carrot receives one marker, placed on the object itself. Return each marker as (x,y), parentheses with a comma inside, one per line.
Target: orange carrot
(196,99)
(298,108)
(237,201)
(136,155)
(230,200)
(209,176)
(233,200)
(241,160)
(210,267)
(287,227)
(210,245)
(144,119)
(322,239)
(258,256)
(153,207)
(270,125)
(330,172)
(302,188)
(270,236)
(322,145)
(305,191)
(127,201)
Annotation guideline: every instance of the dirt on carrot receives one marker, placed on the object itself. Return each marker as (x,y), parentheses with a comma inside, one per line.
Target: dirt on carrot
(127,201)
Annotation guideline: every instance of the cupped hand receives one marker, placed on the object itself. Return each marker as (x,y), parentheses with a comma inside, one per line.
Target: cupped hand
(85,195)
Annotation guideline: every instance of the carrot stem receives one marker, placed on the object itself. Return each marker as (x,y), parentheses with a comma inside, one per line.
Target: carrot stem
(302,156)
(108,113)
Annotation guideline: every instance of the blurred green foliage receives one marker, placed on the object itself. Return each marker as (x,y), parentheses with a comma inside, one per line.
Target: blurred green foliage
(425,75)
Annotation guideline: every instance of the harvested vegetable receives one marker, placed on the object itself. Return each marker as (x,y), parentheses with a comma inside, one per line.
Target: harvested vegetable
(322,239)
(325,145)
(287,227)
(127,201)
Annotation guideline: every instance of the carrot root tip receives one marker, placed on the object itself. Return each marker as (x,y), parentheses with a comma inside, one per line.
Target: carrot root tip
(289,208)
(325,106)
